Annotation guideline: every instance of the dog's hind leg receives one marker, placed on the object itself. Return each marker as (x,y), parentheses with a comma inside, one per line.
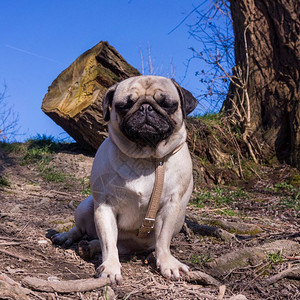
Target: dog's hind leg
(67,238)
(84,225)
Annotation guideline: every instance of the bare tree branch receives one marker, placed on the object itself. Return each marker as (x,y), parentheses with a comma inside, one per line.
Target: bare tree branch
(212,27)
(9,119)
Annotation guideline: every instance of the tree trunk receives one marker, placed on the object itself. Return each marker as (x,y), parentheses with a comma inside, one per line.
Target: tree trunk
(272,43)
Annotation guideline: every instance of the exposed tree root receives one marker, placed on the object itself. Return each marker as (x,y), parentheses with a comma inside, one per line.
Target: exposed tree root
(211,231)
(68,286)
(10,289)
(237,227)
(251,256)
(293,273)
(201,278)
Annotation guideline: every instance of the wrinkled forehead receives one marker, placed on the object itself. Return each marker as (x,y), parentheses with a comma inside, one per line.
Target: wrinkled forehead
(146,86)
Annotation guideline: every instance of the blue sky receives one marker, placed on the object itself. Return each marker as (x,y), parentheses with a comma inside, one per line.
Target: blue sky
(40,38)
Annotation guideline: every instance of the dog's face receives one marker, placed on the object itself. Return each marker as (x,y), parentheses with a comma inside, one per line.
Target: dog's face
(147,109)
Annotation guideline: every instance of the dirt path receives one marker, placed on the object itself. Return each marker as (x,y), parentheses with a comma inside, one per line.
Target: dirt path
(220,221)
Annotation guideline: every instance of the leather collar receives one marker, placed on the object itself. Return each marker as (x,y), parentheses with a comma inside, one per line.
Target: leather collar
(149,220)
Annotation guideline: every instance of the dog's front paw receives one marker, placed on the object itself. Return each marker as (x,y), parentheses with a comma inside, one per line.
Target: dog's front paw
(110,269)
(170,267)
(85,250)
(88,249)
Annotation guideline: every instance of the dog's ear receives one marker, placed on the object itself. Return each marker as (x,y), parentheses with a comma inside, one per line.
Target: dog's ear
(107,102)
(188,101)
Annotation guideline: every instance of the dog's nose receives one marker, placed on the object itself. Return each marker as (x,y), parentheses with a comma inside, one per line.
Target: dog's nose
(145,107)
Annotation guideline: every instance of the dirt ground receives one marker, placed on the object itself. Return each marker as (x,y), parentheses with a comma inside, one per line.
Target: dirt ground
(32,206)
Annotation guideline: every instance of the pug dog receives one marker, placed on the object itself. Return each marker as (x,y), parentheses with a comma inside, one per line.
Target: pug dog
(146,116)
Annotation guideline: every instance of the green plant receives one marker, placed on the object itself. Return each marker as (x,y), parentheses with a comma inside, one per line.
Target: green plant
(292,201)
(217,196)
(50,174)
(195,259)
(290,195)
(106,296)
(43,141)
(209,116)
(201,198)
(200,259)
(85,182)
(275,257)
(283,186)
(12,147)
(39,149)
(221,196)
(86,192)
(239,194)
(227,212)
(294,180)
(4,181)
(35,155)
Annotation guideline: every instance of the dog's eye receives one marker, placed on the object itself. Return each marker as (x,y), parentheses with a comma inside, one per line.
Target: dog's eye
(168,105)
(124,107)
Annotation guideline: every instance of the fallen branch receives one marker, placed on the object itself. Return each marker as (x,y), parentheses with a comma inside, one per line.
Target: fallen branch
(201,278)
(293,273)
(68,286)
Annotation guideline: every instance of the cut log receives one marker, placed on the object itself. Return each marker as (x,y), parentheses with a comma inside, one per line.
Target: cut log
(74,99)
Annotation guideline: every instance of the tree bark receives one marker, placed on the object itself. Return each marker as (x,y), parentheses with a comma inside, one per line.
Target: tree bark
(272,31)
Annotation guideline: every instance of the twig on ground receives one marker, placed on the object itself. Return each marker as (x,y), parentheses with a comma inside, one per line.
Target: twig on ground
(202,296)
(137,290)
(36,295)
(72,272)
(60,193)
(187,231)
(24,227)
(293,257)
(2,237)
(269,227)
(222,290)
(68,286)
(71,205)
(11,243)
